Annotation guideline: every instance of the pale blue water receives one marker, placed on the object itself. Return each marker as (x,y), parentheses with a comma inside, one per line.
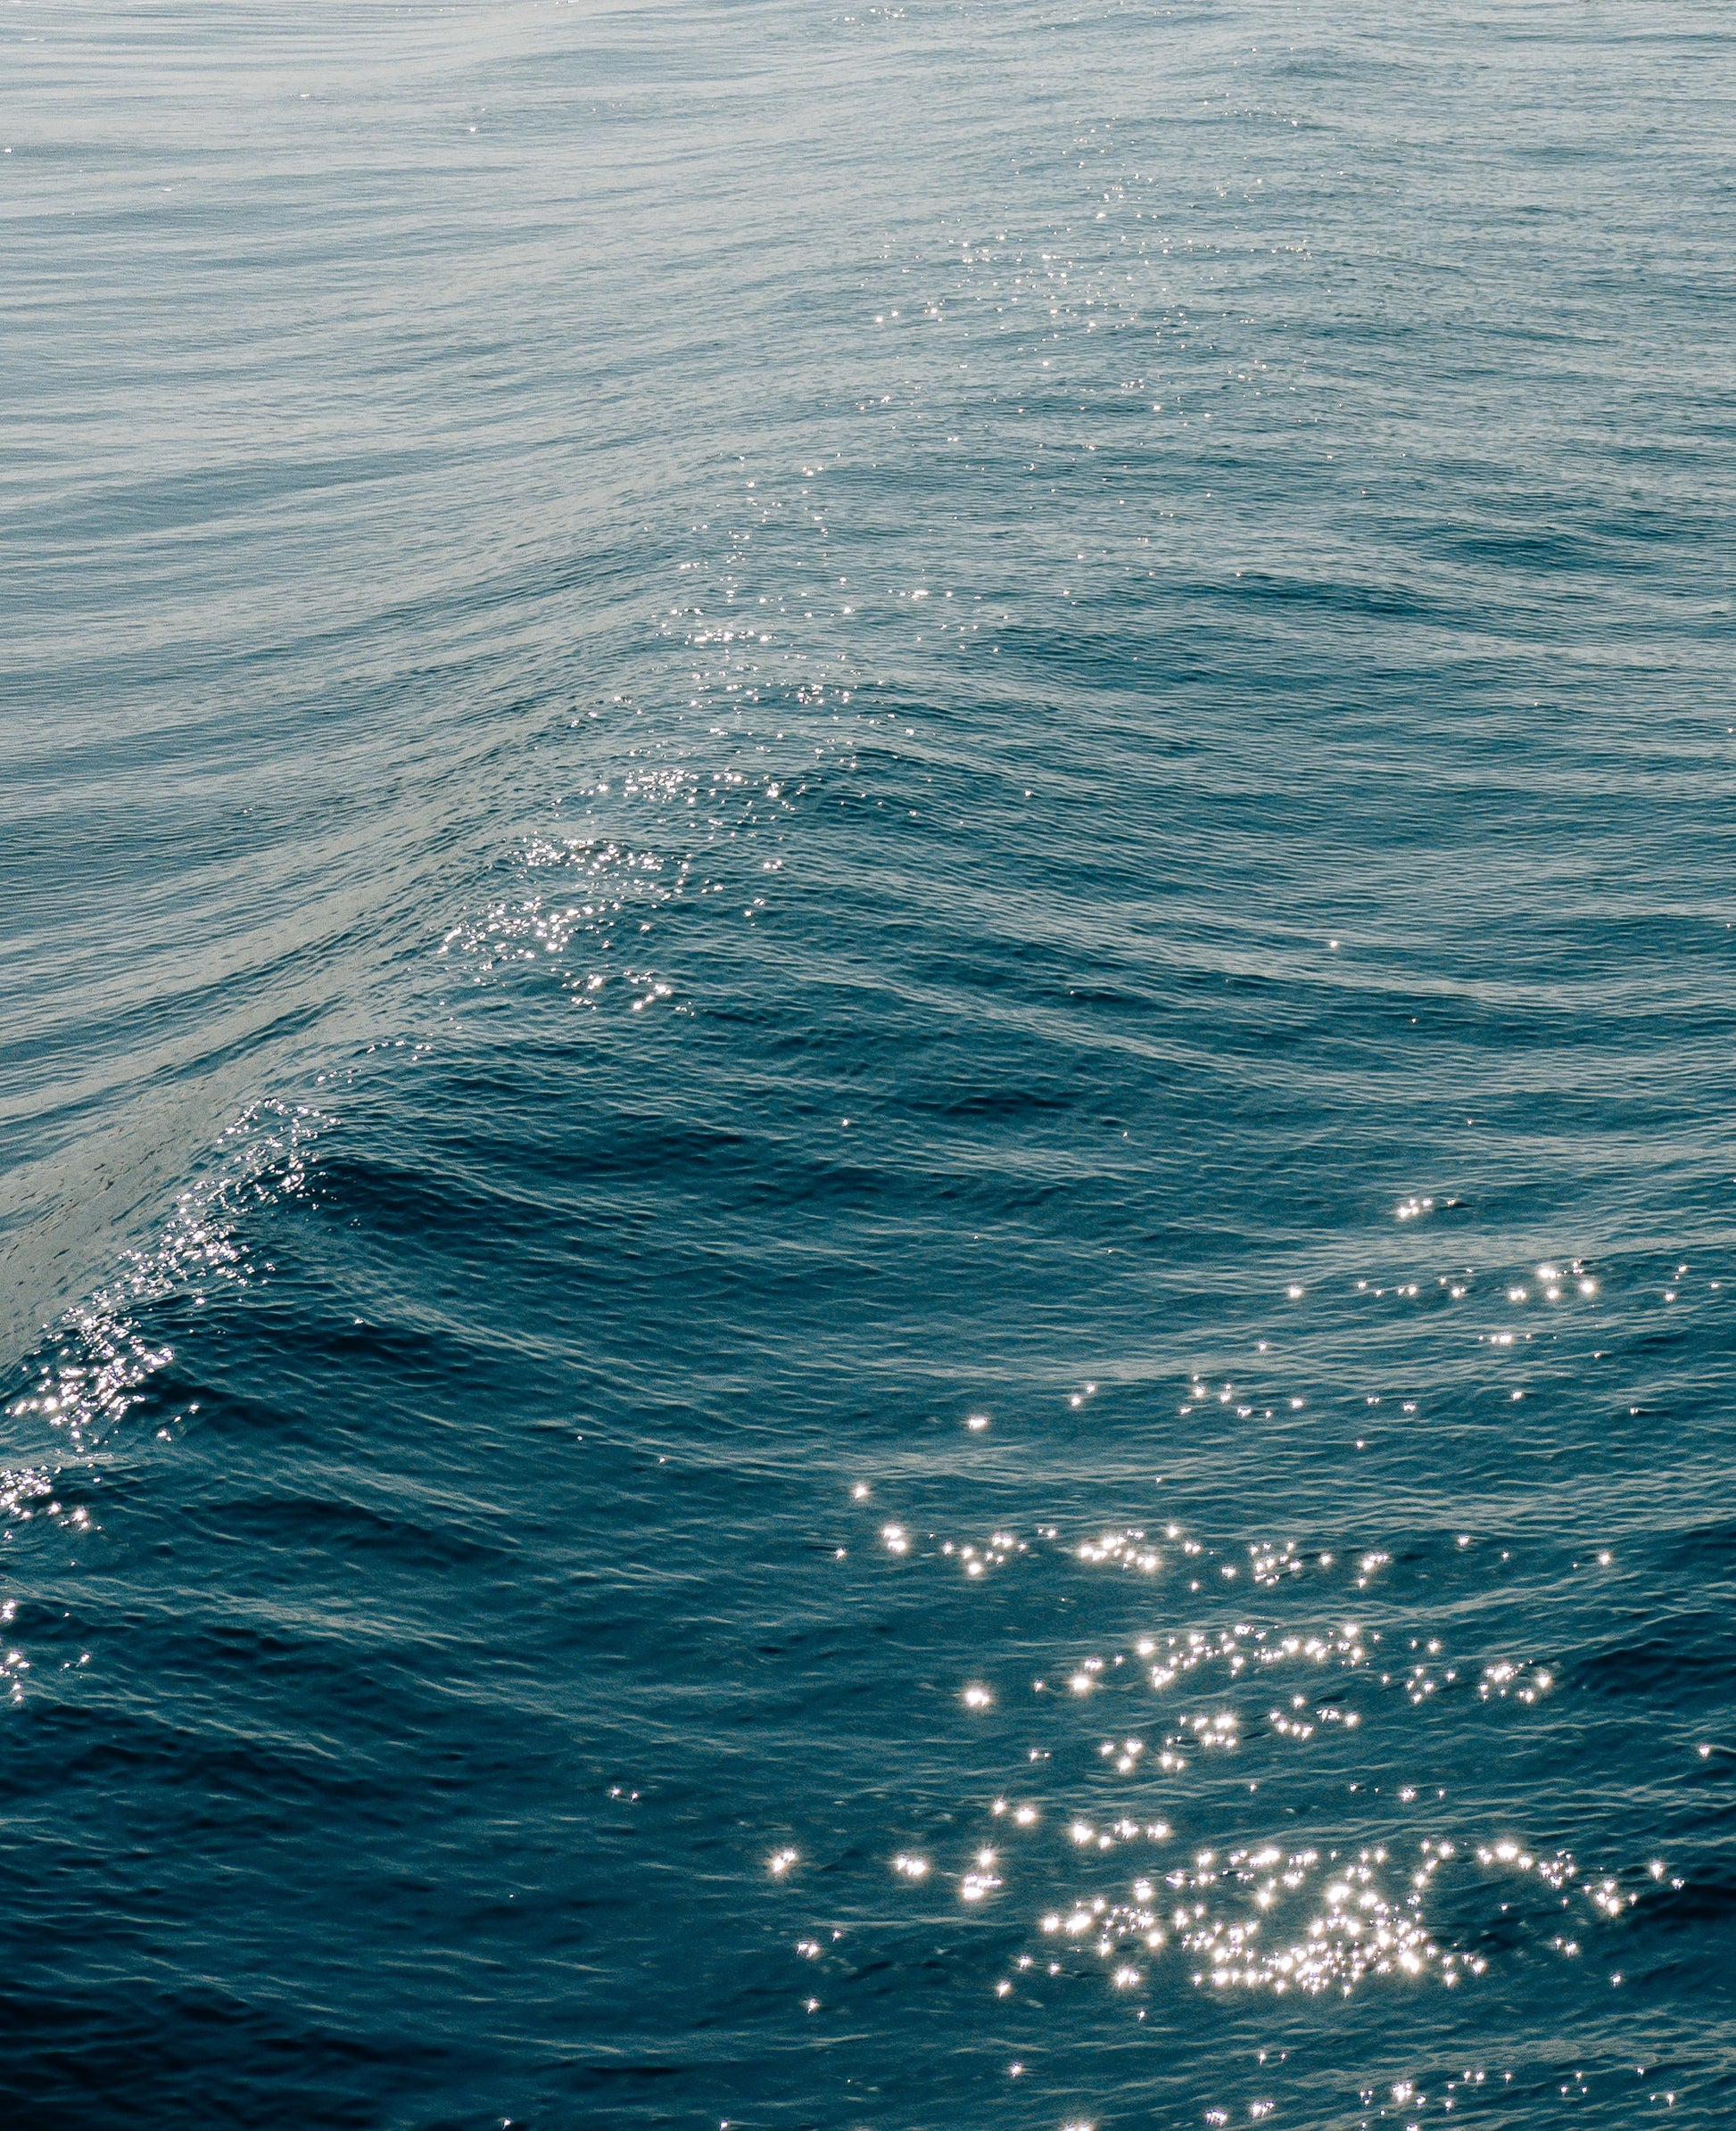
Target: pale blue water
(869,1005)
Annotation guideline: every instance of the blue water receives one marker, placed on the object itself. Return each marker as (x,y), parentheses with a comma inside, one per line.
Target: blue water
(866,1096)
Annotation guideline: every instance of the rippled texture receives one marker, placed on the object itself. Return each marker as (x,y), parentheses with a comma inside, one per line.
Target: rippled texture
(869,998)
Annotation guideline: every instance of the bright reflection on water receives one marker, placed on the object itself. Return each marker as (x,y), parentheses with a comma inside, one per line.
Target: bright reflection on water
(1250,1912)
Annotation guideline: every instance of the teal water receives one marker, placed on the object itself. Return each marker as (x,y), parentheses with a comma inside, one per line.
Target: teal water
(866,1110)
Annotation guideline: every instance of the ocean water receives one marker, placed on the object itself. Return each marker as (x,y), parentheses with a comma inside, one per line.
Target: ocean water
(866,1097)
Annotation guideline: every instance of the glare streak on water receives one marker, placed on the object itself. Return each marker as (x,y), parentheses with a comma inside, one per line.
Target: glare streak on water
(865,1103)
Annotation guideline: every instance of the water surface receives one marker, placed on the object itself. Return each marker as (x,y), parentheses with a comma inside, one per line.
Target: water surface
(870,1013)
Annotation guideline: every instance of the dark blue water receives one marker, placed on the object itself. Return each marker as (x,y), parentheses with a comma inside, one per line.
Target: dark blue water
(866,1095)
